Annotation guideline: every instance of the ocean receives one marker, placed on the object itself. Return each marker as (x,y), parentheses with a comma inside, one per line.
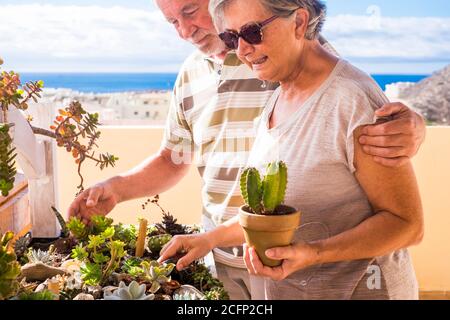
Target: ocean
(122,82)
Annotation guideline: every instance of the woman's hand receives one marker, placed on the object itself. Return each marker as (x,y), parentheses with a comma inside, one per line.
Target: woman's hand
(194,246)
(295,257)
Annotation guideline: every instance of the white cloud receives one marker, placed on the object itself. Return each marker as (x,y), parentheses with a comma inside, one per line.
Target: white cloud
(51,36)
(390,39)
(81,38)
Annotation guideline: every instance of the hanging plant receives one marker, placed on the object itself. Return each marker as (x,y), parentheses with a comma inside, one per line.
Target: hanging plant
(74,129)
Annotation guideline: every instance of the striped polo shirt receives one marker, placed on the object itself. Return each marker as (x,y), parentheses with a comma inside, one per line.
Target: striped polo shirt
(212,113)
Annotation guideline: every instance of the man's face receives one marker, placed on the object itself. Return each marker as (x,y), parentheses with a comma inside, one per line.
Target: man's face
(193,23)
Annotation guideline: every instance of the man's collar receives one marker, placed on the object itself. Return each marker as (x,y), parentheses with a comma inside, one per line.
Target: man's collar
(231,60)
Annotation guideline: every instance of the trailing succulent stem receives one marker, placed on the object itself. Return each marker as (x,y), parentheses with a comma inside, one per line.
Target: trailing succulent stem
(263,197)
(7,161)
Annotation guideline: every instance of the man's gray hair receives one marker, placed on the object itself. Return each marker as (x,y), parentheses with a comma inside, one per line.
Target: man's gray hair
(282,8)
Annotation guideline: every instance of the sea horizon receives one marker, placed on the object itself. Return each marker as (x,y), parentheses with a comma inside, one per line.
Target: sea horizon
(105,82)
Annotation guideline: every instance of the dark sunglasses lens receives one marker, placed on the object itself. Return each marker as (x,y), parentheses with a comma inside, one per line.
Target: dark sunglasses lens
(230,39)
(252,34)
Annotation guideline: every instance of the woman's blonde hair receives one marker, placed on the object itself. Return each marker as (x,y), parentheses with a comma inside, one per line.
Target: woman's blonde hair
(282,8)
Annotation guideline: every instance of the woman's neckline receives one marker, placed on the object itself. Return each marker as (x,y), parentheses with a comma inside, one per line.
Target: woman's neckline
(273,101)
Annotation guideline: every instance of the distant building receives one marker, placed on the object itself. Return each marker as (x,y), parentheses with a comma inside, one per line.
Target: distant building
(125,108)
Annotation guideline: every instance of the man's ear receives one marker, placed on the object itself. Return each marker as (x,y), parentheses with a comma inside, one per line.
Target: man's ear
(301,22)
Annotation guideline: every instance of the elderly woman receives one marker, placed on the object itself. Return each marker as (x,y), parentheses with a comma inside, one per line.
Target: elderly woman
(358,217)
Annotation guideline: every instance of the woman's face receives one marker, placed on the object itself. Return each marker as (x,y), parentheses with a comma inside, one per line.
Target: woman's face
(277,55)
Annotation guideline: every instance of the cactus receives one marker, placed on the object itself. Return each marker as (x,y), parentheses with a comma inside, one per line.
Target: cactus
(156,243)
(264,197)
(133,292)
(9,268)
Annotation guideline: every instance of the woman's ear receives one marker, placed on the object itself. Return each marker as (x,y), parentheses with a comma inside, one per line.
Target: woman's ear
(301,23)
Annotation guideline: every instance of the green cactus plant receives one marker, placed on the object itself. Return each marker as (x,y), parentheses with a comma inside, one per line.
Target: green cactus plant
(263,197)
(9,267)
(132,292)
(156,243)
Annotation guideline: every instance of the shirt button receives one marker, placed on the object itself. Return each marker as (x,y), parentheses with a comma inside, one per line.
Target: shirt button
(303,283)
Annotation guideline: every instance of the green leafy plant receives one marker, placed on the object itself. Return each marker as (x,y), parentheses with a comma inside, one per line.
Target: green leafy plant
(100,223)
(101,256)
(132,266)
(41,295)
(126,234)
(74,129)
(77,228)
(9,267)
(264,196)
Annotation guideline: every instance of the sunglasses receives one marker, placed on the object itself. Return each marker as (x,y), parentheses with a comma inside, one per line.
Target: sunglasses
(251,33)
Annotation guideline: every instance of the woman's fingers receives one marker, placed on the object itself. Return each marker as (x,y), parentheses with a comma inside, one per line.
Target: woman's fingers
(247,261)
(171,249)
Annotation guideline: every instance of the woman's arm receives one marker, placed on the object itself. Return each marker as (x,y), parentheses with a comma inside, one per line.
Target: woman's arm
(197,246)
(398,220)
(397,223)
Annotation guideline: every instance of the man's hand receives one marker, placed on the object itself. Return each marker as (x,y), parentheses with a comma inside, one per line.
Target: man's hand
(97,200)
(194,246)
(393,143)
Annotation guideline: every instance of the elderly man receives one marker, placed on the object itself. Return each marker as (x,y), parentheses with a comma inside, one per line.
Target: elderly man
(215,100)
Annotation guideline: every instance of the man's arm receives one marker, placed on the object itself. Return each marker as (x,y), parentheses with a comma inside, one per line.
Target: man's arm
(394,143)
(155,175)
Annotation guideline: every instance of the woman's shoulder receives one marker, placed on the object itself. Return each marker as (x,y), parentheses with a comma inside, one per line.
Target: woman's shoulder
(353,82)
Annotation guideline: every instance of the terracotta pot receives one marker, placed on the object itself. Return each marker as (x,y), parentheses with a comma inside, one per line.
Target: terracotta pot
(268,231)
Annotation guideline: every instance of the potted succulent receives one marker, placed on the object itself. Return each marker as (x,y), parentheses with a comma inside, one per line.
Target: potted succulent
(266,222)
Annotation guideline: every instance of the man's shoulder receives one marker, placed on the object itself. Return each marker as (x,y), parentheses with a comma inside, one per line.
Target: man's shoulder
(195,59)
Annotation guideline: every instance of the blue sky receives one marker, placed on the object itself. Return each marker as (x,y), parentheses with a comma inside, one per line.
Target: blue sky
(380,36)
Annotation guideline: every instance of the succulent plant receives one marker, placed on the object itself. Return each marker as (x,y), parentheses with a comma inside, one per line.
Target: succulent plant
(41,295)
(155,243)
(9,267)
(263,197)
(77,228)
(157,273)
(21,245)
(46,257)
(132,292)
(188,292)
(64,230)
